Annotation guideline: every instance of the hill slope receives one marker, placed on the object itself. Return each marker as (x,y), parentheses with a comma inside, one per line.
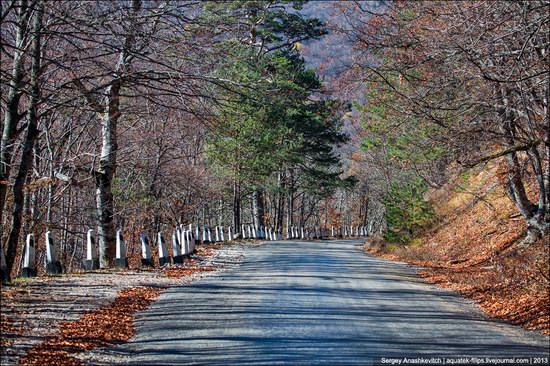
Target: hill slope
(473,248)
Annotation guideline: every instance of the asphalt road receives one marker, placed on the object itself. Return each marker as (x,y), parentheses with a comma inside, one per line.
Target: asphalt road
(314,303)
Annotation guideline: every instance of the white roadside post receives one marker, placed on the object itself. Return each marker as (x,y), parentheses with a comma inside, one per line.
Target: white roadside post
(190,244)
(53,265)
(176,248)
(249,232)
(205,235)
(332,231)
(121,261)
(254,232)
(29,263)
(92,258)
(243,232)
(4,275)
(145,250)
(184,243)
(229,233)
(217,237)
(222,234)
(307,233)
(302,233)
(197,234)
(181,239)
(191,240)
(164,258)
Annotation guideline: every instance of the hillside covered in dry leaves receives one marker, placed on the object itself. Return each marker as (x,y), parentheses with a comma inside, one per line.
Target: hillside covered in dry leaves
(475,247)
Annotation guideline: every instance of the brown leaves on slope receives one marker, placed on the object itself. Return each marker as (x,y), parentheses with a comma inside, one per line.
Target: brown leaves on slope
(98,328)
(474,251)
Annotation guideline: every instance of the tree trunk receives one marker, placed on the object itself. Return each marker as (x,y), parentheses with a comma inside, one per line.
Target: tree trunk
(108,159)
(258,208)
(280,203)
(28,146)
(536,225)
(104,178)
(14,92)
(236,206)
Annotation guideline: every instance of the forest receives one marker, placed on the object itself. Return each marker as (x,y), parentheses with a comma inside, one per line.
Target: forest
(144,115)
(273,181)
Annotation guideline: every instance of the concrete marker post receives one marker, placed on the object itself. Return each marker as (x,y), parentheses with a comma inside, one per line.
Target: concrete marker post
(182,234)
(176,249)
(197,234)
(191,240)
(92,258)
(229,233)
(164,258)
(191,244)
(185,243)
(209,229)
(302,233)
(29,261)
(53,265)
(145,250)
(121,261)
(205,235)
(4,275)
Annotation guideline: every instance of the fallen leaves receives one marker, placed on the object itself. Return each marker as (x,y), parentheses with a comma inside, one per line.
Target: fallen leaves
(473,250)
(84,312)
(98,328)
(180,272)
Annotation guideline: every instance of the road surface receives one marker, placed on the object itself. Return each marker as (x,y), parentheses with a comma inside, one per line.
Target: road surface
(294,302)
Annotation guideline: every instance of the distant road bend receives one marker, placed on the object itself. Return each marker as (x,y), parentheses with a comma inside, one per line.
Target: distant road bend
(310,303)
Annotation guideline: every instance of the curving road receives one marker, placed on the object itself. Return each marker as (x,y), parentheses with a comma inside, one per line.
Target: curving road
(295,302)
